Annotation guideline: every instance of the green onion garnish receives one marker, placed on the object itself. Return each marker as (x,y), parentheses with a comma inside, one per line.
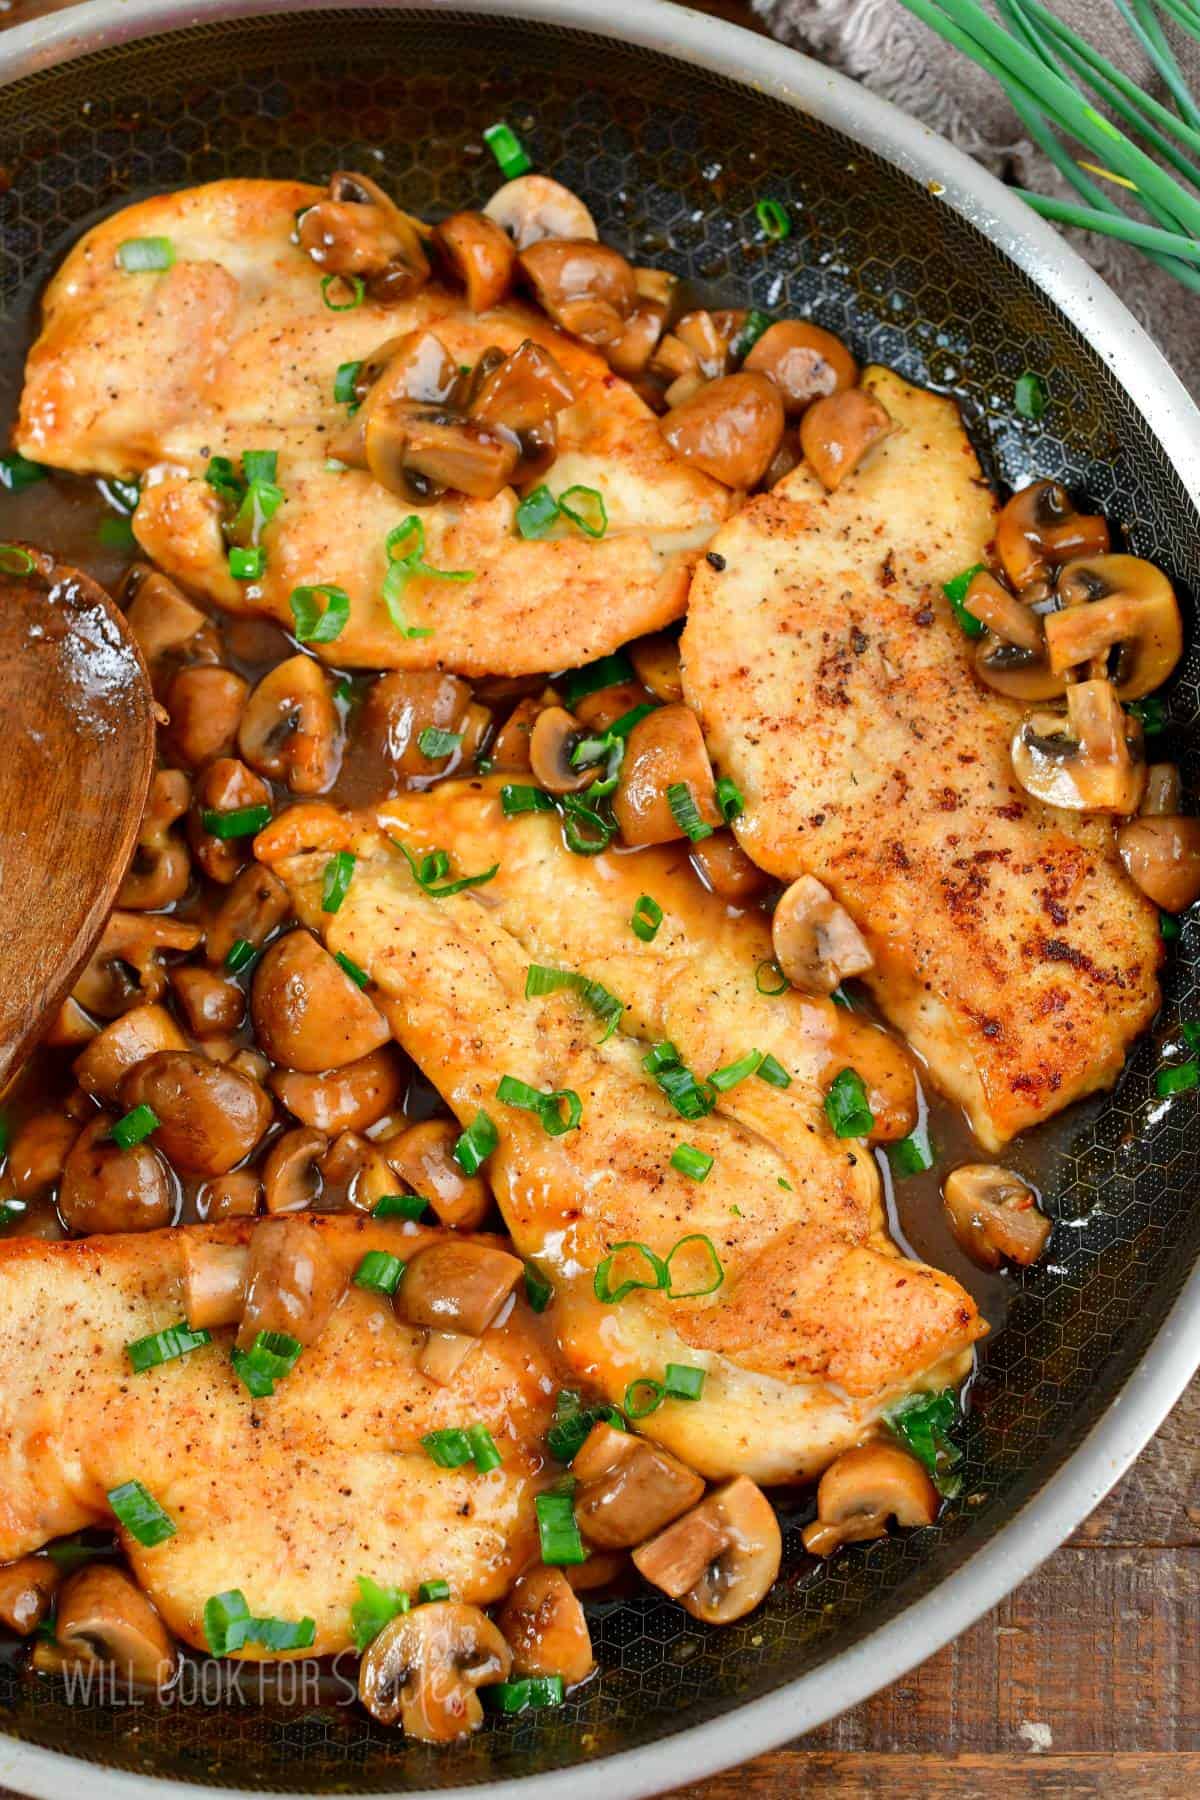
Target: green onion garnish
(914,1154)
(610,1296)
(743,341)
(433,1590)
(428,873)
(538,1290)
(690,1161)
(527,1694)
(846,1105)
(643,1396)
(955,591)
(923,1423)
(586,832)
(774,220)
(1151,712)
(343,383)
(660,1056)
(608,671)
(547,1106)
(647,917)
(449,1448)
(164,1346)
(339,873)
(17,472)
(240,955)
(1177,1080)
(511,156)
(400,1206)
(376,1607)
(134,1127)
(1168,928)
(773,1072)
(712,1280)
(731,802)
(140,1514)
(260,466)
(272,1355)
(573,1421)
(691,1099)
(403,565)
(686,813)
(476,1144)
(483,1449)
(537,513)
(138,256)
(683,1381)
(353,284)
(14,560)
(243,821)
(349,967)
(559,1534)
(769,978)
(541,980)
(732,1073)
(515,799)
(434,743)
(117,534)
(312,624)
(224,480)
(229,1625)
(586,510)
(379,1271)
(247,563)
(1030,395)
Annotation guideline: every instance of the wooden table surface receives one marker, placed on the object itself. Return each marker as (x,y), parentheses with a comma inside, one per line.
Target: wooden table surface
(1085,1682)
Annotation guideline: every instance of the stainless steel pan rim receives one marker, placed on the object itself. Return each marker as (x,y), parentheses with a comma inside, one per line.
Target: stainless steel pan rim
(1174,1354)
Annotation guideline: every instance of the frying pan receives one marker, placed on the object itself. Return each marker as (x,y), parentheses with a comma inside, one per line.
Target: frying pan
(671,126)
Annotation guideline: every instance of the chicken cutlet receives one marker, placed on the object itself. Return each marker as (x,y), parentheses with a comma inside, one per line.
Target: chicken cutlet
(232,348)
(833,684)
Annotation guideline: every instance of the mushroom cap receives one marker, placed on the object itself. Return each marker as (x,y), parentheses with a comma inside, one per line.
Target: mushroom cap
(1039,528)
(108,1057)
(105,1188)
(730,428)
(663,749)
(816,942)
(862,1489)
(656,662)
(349,1098)
(628,1488)
(720,1558)
(837,431)
(293,1281)
(457,1286)
(423,1157)
(209,1117)
(103,1618)
(545,1627)
(425,1667)
(533,207)
(26,1589)
(291,1174)
(804,361)
(994,1215)
(1162,855)
(308,1013)
(586,287)
(1120,617)
(554,736)
(480,254)
(1086,760)
(289,727)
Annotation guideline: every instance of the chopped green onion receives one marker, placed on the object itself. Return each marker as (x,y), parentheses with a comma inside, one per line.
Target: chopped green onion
(349,967)
(139,256)
(134,1127)
(621,728)
(240,955)
(547,1106)
(243,821)
(683,1381)
(610,1296)
(841,998)
(955,591)
(914,1154)
(744,340)
(353,283)
(846,1105)
(643,1397)
(769,978)
(731,802)
(17,472)
(690,1161)
(660,1056)
(428,872)
(647,917)
(433,1590)
(1151,712)
(164,1346)
(376,1607)
(558,1531)
(312,625)
(537,513)
(1030,395)
(379,1271)
(1178,1079)
(923,1422)
(224,479)
(585,831)
(14,560)
(587,511)
(538,1290)
(272,1355)
(449,1449)
(511,156)
(400,1206)
(1168,928)
(260,466)
(773,1072)
(483,1449)
(343,690)
(541,980)
(247,564)
(774,219)
(228,1626)
(515,799)
(476,1144)
(402,564)
(732,1073)
(344,383)
(686,813)
(140,1514)
(608,671)
(527,1694)
(714,1277)
(117,534)
(691,1099)
(573,1421)
(434,743)
(339,873)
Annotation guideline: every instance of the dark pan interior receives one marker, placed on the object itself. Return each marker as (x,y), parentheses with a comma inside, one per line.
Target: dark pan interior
(671,161)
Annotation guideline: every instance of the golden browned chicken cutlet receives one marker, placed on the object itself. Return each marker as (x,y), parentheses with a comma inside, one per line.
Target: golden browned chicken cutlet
(805,1320)
(288,1498)
(833,684)
(232,349)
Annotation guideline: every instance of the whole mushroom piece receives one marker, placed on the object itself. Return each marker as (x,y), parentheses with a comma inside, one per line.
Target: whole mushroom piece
(209,1116)
(994,1214)
(308,1013)
(102,1618)
(546,1629)
(1088,760)
(628,1488)
(816,942)
(862,1490)
(425,1668)
(1162,854)
(720,1558)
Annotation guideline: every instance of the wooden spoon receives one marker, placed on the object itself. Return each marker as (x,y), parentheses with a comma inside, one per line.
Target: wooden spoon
(79,719)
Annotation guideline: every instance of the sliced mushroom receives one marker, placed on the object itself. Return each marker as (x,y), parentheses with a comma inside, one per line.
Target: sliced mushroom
(423,1158)
(656,662)
(425,1667)
(608,704)
(209,1117)
(480,254)
(533,207)
(1039,529)
(698,348)
(995,1215)
(38,1152)
(803,361)
(122,1045)
(509,751)
(105,1188)
(308,1013)
(160,871)
(729,428)
(1088,760)
(27,1589)
(125,968)
(1162,855)
(724,867)
(225,786)
(457,1286)
(628,1488)
(862,1490)
(664,750)
(523,392)
(161,620)
(546,1629)
(555,736)
(291,1173)
(212,1004)
(1121,618)
(414,366)
(1006,617)
(293,1281)
(719,1559)
(586,287)
(233,1196)
(418,452)
(816,942)
(256,904)
(786,458)
(1164,790)
(838,431)
(103,1618)
(205,704)
(406,703)
(443,1355)
(349,1098)
(1021,674)
(359,230)
(289,728)
(70,1027)
(630,353)
(214,1280)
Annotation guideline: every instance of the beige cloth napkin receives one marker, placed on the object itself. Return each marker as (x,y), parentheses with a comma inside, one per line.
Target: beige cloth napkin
(894,54)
